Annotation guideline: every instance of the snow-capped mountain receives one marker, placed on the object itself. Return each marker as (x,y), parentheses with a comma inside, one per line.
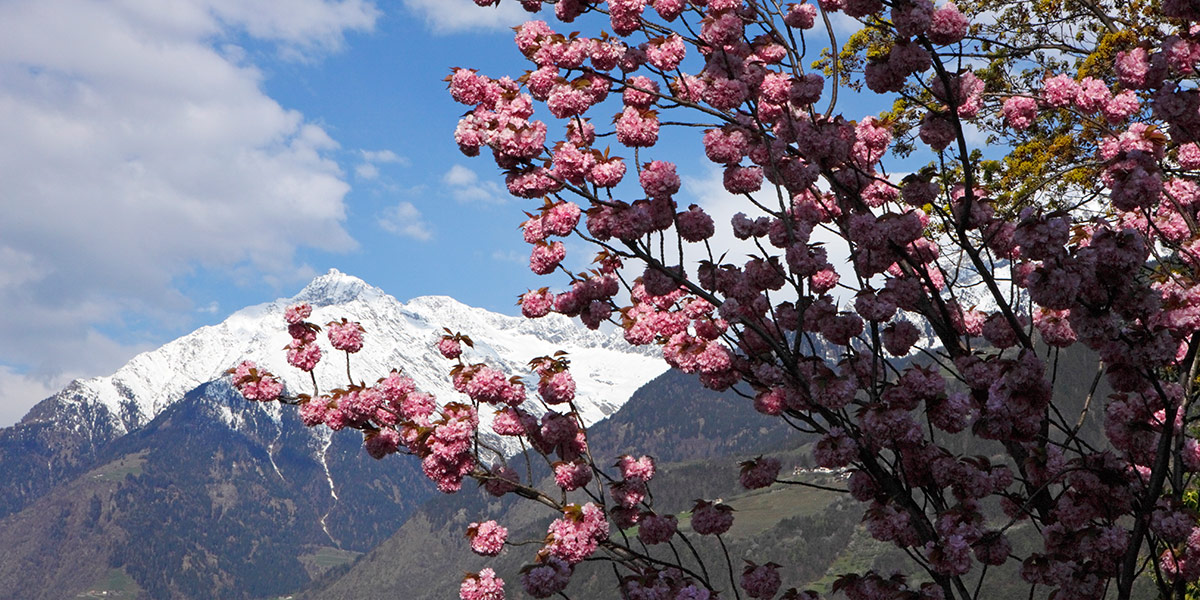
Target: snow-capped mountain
(164,471)
(398,335)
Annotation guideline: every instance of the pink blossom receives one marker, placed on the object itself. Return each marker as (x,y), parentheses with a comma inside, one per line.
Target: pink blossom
(899,337)
(720,30)
(801,16)
(964,93)
(824,280)
(998,331)
(557,388)
(303,356)
(659,180)
(947,25)
(566,101)
(529,34)
(513,421)
(482,586)
(386,441)
(912,17)
(1189,156)
(536,303)
(711,518)
(546,579)
(668,9)
(581,132)
(806,90)
(743,180)
(882,77)
(760,472)
(542,81)
(296,313)
(1093,94)
(490,386)
(607,173)
(577,534)
(937,131)
(346,336)
(835,449)
(874,307)
(908,58)
(624,15)
(637,128)
(725,94)
(640,92)
(1019,112)
(640,469)
(1132,68)
(761,581)
(1120,107)
(312,413)
(487,538)
(695,225)
(545,257)
(503,480)
(628,494)
(726,146)
(656,529)
(572,475)
(872,144)
(561,218)
(1059,91)
(449,347)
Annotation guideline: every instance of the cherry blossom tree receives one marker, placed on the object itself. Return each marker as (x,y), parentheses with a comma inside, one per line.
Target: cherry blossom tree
(1050,203)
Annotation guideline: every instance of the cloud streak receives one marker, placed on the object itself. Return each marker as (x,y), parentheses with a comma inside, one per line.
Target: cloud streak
(459,16)
(464,185)
(405,220)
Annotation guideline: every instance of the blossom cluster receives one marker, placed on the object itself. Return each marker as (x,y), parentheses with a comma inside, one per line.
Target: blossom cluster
(811,341)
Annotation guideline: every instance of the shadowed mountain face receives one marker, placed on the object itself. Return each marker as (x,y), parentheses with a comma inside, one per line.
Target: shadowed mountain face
(190,507)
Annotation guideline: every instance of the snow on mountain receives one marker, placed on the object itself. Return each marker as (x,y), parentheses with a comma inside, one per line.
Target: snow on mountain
(398,335)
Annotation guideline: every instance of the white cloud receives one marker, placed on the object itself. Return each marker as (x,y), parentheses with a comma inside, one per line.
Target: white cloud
(511,256)
(456,16)
(371,159)
(460,176)
(384,156)
(464,185)
(138,147)
(301,26)
(366,171)
(404,219)
(844,26)
(19,392)
(91,354)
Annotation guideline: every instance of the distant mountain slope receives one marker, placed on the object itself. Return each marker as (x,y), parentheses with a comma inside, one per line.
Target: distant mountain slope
(698,436)
(674,418)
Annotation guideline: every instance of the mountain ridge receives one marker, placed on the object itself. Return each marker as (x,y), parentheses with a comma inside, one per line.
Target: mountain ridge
(61,435)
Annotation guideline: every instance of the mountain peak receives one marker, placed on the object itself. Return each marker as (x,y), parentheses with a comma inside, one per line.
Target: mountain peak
(336,287)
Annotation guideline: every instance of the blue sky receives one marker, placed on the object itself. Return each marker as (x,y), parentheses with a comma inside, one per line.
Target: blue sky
(167,162)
